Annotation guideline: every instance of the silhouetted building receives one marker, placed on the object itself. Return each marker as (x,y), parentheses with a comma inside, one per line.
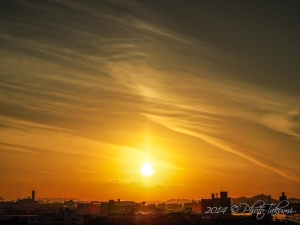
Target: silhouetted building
(193,206)
(123,207)
(282,197)
(33,195)
(64,217)
(223,202)
(223,194)
(70,204)
(117,207)
(161,205)
(92,208)
(174,207)
(145,208)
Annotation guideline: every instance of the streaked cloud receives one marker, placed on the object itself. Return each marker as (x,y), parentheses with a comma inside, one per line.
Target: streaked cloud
(84,171)
(287,123)
(40,171)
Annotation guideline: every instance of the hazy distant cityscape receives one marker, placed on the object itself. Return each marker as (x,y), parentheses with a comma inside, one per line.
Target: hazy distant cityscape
(215,210)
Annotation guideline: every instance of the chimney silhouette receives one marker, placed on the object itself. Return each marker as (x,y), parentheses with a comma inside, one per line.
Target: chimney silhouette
(33,195)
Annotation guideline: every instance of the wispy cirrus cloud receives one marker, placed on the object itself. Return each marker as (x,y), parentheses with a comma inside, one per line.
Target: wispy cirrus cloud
(84,171)
(285,122)
(252,156)
(40,171)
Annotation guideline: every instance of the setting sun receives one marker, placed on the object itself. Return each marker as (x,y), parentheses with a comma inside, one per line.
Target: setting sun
(146,169)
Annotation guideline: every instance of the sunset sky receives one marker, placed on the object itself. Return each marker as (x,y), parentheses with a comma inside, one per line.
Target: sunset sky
(205,91)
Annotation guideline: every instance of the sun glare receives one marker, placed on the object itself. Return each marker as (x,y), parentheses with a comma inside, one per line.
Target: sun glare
(146,169)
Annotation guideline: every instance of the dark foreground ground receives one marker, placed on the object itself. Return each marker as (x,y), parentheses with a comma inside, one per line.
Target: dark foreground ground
(179,219)
(164,219)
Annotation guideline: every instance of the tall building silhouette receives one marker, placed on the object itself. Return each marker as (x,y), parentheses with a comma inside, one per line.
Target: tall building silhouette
(223,202)
(282,197)
(33,195)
